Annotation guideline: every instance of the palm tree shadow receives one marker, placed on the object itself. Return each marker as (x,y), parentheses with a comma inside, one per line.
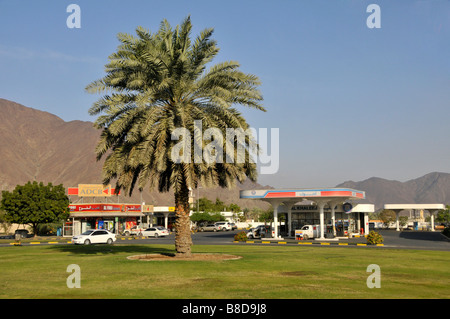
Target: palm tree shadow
(112,249)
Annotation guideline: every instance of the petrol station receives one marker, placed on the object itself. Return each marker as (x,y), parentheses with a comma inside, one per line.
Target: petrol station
(335,210)
(98,206)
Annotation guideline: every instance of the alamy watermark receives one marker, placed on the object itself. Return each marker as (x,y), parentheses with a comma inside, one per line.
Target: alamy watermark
(374,280)
(74,19)
(374,19)
(238,146)
(74,279)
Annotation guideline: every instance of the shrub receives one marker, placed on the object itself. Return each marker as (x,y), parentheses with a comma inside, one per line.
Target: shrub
(241,236)
(374,238)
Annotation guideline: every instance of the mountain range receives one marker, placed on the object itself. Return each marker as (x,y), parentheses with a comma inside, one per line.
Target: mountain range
(37,145)
(430,188)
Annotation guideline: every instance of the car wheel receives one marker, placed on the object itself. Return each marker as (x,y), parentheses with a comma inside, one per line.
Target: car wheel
(215,229)
(305,237)
(109,241)
(127,233)
(156,235)
(87,242)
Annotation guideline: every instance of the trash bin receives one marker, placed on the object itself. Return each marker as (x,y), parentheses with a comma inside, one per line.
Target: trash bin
(58,231)
(416,226)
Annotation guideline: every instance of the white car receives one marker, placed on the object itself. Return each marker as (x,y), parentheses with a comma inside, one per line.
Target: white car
(156,231)
(94,236)
(223,226)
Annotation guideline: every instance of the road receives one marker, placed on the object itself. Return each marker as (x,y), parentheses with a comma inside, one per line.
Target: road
(392,239)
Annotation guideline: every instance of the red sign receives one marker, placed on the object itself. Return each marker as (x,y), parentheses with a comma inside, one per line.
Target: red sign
(74,191)
(101,208)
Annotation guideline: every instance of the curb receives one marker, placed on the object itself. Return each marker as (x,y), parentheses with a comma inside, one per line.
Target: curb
(307,243)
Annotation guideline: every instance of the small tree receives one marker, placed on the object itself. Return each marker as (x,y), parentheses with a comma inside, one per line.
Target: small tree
(403,221)
(443,216)
(35,204)
(205,217)
(387,217)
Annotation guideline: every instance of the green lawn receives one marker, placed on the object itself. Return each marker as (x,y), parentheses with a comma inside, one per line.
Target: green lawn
(263,272)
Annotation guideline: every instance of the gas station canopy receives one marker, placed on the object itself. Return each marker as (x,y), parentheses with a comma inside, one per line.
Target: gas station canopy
(288,197)
(301,194)
(431,208)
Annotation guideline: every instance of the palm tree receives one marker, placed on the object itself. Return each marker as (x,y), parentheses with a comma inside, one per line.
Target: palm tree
(154,84)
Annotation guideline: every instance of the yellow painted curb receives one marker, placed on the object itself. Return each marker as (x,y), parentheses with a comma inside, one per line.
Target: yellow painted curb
(361,244)
(282,242)
(34,243)
(52,242)
(343,244)
(265,242)
(250,242)
(305,243)
(324,243)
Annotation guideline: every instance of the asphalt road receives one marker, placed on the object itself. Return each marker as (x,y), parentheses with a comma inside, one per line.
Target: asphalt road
(392,239)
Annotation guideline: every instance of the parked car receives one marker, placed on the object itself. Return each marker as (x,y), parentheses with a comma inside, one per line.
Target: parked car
(94,236)
(233,226)
(135,230)
(261,231)
(22,232)
(156,232)
(223,226)
(208,227)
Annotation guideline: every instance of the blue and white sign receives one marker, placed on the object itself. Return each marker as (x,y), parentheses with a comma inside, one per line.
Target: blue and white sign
(347,207)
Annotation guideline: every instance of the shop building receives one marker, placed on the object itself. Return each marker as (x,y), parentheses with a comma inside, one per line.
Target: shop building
(96,206)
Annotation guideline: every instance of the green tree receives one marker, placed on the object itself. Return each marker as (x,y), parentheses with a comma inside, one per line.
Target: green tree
(35,204)
(234,208)
(403,221)
(154,84)
(387,217)
(205,217)
(443,216)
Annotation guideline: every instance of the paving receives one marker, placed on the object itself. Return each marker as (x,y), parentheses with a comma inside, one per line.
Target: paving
(421,240)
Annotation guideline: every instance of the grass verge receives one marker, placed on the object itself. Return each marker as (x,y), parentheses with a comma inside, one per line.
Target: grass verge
(287,272)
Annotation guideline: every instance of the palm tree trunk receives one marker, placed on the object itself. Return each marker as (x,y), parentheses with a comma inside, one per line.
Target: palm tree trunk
(183,240)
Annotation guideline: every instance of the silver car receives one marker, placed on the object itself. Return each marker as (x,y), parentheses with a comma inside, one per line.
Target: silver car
(208,227)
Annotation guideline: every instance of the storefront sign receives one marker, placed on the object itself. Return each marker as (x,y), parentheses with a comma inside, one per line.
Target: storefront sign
(76,191)
(104,208)
(94,190)
(147,208)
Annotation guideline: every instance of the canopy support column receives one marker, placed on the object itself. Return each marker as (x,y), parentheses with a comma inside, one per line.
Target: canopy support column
(275,204)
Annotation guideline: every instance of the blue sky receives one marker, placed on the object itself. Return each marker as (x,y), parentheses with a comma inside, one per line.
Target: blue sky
(350,102)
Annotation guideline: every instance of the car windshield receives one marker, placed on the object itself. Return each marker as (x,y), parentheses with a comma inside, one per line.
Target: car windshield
(87,232)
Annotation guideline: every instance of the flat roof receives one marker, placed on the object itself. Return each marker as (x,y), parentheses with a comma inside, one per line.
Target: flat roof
(302,193)
(414,206)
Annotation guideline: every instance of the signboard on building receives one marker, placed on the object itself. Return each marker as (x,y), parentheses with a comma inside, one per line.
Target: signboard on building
(94,190)
(147,208)
(119,208)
